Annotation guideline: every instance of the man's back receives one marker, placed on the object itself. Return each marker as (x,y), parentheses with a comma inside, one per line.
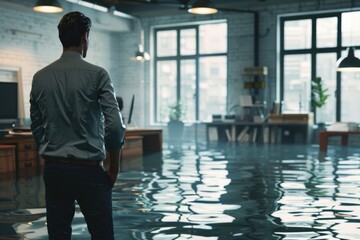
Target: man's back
(70,92)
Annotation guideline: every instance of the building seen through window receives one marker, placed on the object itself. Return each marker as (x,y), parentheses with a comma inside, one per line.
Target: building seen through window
(191,68)
(309,47)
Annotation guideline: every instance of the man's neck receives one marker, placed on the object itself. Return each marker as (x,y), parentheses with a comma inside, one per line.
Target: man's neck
(73,49)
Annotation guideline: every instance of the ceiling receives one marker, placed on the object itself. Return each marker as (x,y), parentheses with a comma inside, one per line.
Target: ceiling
(151,8)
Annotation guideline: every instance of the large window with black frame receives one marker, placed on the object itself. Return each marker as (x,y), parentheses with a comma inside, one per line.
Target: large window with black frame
(190,67)
(310,46)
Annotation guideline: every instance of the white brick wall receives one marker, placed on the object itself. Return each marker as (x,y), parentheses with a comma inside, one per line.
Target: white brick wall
(29,40)
(114,50)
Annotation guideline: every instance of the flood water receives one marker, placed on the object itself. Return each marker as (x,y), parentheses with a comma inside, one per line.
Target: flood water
(229,191)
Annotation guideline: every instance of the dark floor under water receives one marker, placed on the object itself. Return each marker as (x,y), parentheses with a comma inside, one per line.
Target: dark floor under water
(224,191)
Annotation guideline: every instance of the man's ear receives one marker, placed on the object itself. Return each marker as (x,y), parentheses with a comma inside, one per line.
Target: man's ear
(84,44)
(84,38)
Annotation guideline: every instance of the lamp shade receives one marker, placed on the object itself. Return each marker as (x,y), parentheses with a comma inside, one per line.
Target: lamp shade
(203,7)
(142,56)
(349,63)
(48,6)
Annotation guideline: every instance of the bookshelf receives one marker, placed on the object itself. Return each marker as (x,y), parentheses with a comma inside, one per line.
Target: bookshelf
(252,132)
(253,103)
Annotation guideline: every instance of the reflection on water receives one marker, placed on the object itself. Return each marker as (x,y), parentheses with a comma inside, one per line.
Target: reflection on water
(220,192)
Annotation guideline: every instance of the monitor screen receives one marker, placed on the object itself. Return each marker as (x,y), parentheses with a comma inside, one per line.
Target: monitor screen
(8,100)
(131,109)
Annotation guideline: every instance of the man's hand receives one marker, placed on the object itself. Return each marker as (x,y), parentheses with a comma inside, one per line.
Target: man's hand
(114,166)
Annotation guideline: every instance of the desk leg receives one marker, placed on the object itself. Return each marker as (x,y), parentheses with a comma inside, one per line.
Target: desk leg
(323,141)
(344,139)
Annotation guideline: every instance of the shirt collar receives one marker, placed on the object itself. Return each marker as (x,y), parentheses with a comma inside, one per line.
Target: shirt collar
(71,54)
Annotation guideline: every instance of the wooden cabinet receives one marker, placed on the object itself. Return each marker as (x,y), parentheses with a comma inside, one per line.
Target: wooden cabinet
(27,155)
(25,148)
(7,158)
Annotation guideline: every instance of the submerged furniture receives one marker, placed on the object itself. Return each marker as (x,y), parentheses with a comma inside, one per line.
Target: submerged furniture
(324,138)
(138,141)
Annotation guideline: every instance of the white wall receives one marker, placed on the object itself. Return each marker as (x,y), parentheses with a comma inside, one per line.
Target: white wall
(34,44)
(29,40)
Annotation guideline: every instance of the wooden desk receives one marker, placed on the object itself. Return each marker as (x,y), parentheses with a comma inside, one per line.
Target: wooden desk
(152,138)
(324,138)
(27,155)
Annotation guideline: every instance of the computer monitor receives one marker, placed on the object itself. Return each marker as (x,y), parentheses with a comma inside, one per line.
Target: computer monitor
(131,109)
(8,104)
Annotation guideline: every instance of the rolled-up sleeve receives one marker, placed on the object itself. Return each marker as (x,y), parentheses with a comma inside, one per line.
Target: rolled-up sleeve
(114,126)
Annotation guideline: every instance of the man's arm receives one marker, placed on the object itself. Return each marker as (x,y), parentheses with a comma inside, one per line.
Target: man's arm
(114,126)
(36,119)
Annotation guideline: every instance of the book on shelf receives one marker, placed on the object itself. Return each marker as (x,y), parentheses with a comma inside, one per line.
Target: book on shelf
(266,135)
(246,138)
(254,134)
(242,133)
(231,134)
(213,134)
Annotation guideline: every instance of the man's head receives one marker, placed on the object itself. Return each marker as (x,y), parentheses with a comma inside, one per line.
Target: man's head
(74,29)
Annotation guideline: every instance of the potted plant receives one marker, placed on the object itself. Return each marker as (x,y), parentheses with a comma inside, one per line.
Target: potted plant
(175,124)
(318,94)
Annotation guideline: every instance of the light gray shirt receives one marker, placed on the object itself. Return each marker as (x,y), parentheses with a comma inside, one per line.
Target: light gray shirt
(73,109)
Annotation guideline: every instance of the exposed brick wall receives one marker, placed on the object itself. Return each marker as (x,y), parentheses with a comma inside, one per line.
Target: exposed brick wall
(29,40)
(39,46)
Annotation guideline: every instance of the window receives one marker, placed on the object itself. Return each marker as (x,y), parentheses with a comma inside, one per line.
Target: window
(191,67)
(309,47)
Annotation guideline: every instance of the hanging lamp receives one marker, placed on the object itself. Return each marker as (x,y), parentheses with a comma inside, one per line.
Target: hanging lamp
(203,7)
(48,6)
(141,55)
(350,63)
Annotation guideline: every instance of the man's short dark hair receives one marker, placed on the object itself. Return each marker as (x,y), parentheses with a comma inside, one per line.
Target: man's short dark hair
(72,27)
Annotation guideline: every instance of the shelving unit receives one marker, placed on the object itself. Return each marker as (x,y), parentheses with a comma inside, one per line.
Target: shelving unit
(253,104)
(282,132)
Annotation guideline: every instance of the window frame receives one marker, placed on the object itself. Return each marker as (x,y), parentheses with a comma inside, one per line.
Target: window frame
(313,51)
(178,58)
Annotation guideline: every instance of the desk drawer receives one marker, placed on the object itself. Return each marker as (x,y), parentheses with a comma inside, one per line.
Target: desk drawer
(27,146)
(27,163)
(7,158)
(27,155)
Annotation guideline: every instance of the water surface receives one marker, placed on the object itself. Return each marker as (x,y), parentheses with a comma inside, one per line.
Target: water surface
(227,191)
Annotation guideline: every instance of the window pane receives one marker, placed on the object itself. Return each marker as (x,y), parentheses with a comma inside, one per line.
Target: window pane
(166,88)
(297,76)
(350,97)
(297,34)
(350,28)
(166,43)
(213,91)
(213,38)
(188,42)
(188,88)
(326,32)
(325,65)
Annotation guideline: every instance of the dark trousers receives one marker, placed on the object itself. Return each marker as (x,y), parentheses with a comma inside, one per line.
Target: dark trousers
(90,187)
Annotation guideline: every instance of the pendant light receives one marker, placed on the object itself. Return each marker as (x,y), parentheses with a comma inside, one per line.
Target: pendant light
(140,54)
(349,63)
(48,6)
(203,7)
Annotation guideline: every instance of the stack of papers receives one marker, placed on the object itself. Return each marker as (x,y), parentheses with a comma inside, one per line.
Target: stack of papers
(343,126)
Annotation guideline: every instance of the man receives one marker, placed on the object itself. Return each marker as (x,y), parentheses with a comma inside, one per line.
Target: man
(75,117)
